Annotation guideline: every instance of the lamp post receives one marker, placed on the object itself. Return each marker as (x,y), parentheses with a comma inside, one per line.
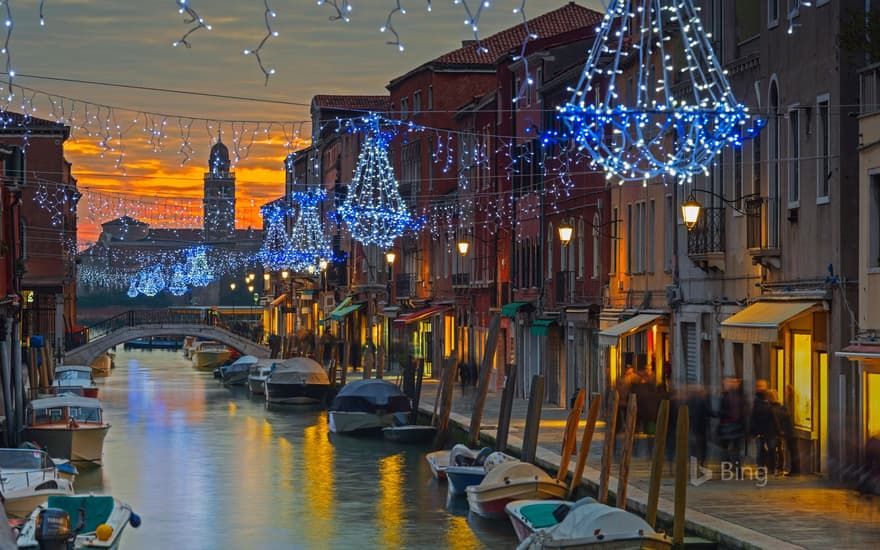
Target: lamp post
(691,208)
(390,256)
(232,295)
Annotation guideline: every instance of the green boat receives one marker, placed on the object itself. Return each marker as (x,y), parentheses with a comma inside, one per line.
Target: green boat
(77,521)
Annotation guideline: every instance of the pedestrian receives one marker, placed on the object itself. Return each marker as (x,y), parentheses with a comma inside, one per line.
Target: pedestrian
(731,425)
(699,414)
(463,375)
(869,480)
(647,404)
(787,426)
(764,428)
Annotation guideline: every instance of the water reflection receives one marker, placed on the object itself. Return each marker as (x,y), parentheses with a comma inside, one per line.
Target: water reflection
(207,467)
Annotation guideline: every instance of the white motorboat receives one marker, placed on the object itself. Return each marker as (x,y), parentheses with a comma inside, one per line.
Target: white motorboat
(511,481)
(27,478)
(585,524)
(298,380)
(77,521)
(366,405)
(75,379)
(236,374)
(210,355)
(461,474)
(259,373)
(102,364)
(67,426)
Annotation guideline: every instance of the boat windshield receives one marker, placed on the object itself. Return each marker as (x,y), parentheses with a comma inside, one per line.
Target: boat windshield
(85,414)
(48,416)
(73,375)
(23,459)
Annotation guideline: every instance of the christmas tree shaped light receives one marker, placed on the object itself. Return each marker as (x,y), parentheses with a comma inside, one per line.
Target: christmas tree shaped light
(309,243)
(275,254)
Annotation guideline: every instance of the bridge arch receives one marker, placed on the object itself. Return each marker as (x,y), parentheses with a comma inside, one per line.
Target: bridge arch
(86,353)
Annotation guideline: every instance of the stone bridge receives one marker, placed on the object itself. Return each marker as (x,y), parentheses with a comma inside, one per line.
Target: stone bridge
(84,346)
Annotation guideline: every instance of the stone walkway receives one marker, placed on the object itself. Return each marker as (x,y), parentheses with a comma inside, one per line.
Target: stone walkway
(784,513)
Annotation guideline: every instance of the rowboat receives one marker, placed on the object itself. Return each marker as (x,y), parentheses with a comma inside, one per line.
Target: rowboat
(508,482)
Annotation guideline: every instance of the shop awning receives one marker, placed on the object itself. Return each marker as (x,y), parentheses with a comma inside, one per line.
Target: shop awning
(541,326)
(611,336)
(419,315)
(391,312)
(306,295)
(511,309)
(866,353)
(342,305)
(339,314)
(760,321)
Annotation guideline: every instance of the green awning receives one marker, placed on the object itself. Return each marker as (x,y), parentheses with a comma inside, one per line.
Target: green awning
(509,310)
(541,326)
(342,305)
(339,314)
(307,294)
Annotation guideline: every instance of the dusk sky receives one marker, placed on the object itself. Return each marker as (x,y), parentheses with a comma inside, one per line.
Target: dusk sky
(129,42)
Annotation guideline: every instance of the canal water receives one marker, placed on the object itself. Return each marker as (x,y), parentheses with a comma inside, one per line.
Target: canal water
(209,467)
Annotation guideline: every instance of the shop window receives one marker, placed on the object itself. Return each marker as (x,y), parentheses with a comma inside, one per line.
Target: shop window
(802,380)
(874,221)
(872,404)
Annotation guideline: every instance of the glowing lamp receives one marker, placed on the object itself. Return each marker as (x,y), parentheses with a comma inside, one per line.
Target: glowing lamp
(231,286)
(565,233)
(690,212)
(463,247)
(323,265)
(285,274)
(390,256)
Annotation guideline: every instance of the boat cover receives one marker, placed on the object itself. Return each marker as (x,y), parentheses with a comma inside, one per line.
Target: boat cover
(510,471)
(596,518)
(368,395)
(98,509)
(299,370)
(65,400)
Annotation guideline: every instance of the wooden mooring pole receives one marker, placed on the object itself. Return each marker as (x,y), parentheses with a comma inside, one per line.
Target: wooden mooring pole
(586,442)
(657,463)
(569,440)
(626,454)
(505,410)
(485,376)
(608,449)
(446,402)
(682,428)
(533,419)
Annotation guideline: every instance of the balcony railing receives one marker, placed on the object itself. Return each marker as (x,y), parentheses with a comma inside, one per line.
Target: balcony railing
(763,223)
(707,236)
(869,86)
(461,280)
(405,285)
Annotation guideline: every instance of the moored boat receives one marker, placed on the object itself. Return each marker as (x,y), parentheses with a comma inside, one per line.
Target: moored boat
(75,379)
(365,405)
(401,431)
(77,521)
(27,478)
(585,524)
(102,364)
(236,374)
(460,475)
(460,454)
(298,380)
(258,375)
(67,426)
(511,481)
(210,355)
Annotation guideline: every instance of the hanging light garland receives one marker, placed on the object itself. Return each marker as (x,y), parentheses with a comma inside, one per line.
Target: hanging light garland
(640,129)
(198,271)
(309,243)
(268,15)
(275,253)
(373,211)
(191,17)
(177,284)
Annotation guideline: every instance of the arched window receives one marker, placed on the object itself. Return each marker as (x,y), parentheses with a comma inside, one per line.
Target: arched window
(773,168)
(597,252)
(581,245)
(550,239)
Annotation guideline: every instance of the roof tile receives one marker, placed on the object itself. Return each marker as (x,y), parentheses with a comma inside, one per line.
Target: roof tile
(352,102)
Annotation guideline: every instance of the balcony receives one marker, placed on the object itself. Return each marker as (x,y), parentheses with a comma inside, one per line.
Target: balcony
(706,240)
(405,285)
(461,280)
(762,231)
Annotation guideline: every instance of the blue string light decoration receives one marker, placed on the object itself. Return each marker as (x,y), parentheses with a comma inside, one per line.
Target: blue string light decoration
(177,285)
(633,125)
(373,211)
(150,281)
(197,270)
(275,252)
(132,289)
(309,243)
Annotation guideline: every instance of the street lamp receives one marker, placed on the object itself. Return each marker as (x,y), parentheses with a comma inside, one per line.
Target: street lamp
(690,212)
(463,246)
(565,233)
(323,265)
(691,209)
(390,256)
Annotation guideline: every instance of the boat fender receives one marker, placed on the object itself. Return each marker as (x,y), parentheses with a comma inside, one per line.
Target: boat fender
(104,532)
(134,520)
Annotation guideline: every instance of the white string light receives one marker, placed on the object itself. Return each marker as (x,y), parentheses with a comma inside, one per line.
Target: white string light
(191,17)
(268,15)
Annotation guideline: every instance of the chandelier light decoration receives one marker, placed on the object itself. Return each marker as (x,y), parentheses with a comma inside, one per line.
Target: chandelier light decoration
(309,243)
(150,281)
(373,211)
(177,285)
(197,269)
(653,100)
(275,253)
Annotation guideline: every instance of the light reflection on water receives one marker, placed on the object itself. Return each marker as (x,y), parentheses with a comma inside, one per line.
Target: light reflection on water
(209,467)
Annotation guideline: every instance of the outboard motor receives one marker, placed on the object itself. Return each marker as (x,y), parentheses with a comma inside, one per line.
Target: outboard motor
(53,530)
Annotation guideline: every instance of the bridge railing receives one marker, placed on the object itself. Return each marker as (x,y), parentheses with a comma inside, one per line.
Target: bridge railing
(136,318)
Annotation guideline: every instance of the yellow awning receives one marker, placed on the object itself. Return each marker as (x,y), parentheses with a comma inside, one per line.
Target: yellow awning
(611,336)
(760,321)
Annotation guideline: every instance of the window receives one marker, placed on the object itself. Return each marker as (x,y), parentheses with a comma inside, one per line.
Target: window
(748,19)
(802,380)
(874,220)
(668,233)
(404,107)
(517,86)
(772,13)
(756,164)
(597,251)
(738,176)
(648,234)
(823,149)
(629,238)
(614,241)
(581,251)
(417,102)
(550,238)
(794,157)
(528,92)
(636,238)
(539,74)
(430,98)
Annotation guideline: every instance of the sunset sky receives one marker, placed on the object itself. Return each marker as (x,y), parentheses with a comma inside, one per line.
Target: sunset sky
(129,42)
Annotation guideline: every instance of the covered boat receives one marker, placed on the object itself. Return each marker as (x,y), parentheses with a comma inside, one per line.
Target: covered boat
(365,405)
(27,478)
(298,380)
(236,374)
(550,524)
(77,521)
(76,379)
(209,355)
(401,431)
(67,426)
(461,474)
(258,375)
(460,454)
(508,482)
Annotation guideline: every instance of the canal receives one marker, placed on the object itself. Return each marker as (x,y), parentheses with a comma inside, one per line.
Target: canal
(209,467)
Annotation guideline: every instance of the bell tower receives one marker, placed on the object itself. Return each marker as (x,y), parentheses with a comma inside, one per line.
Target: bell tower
(219,197)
